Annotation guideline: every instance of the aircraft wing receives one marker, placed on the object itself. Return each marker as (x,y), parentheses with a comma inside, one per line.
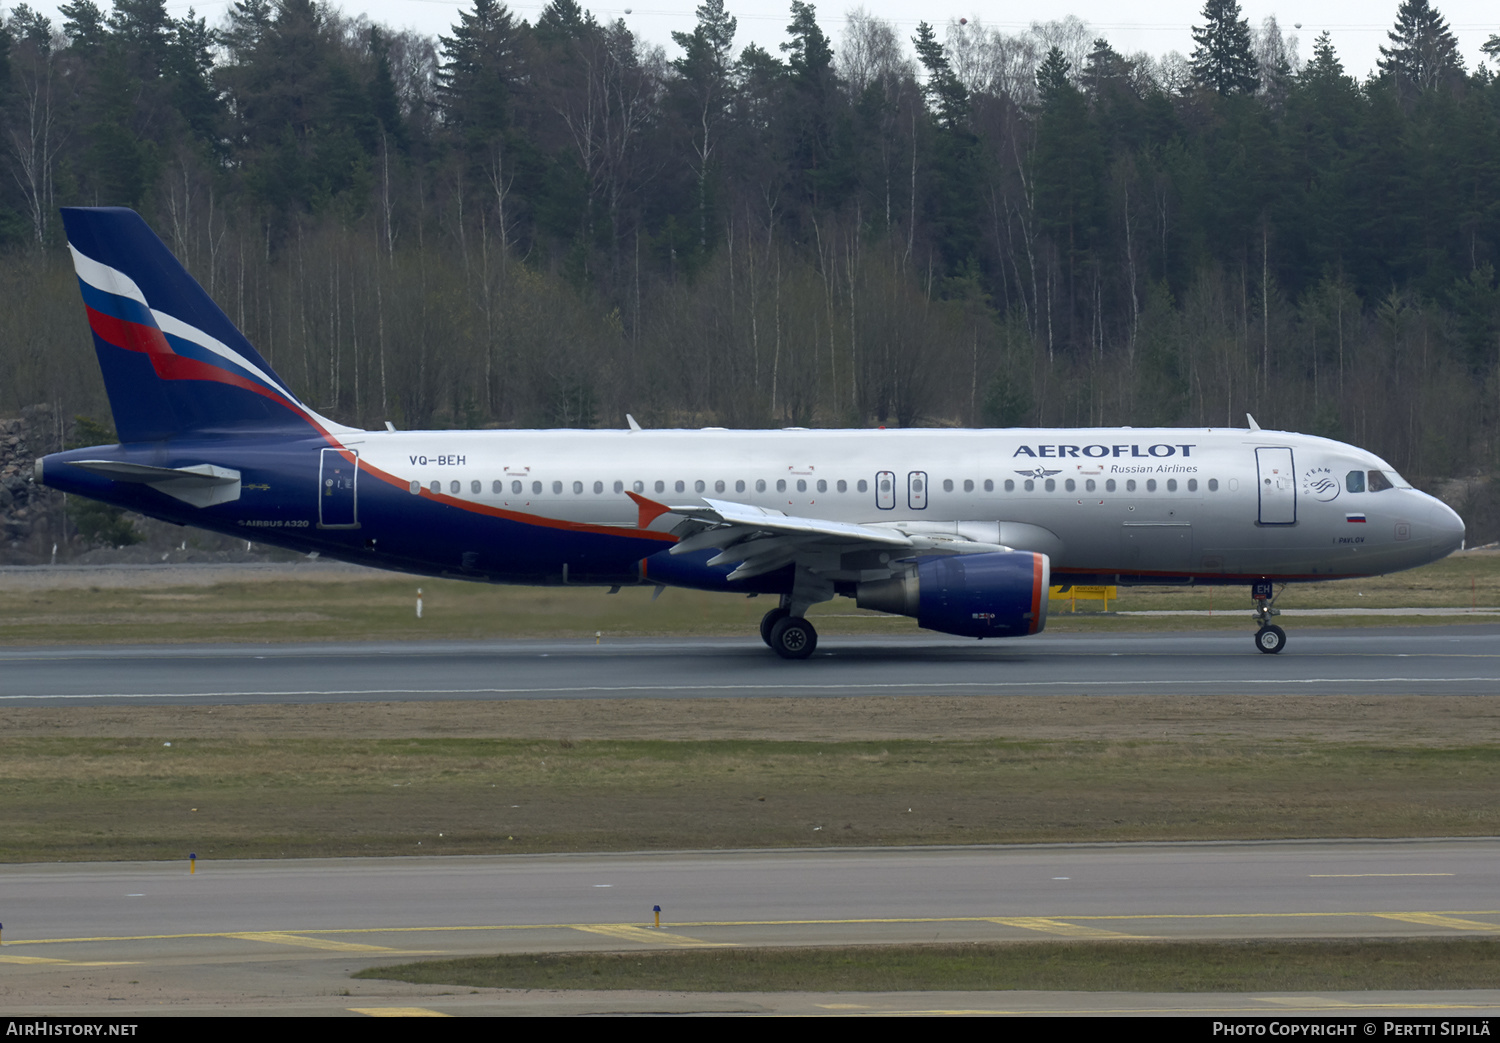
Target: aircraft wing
(762,540)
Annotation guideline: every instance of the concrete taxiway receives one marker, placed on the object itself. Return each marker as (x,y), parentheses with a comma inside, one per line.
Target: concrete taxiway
(1450,660)
(280,937)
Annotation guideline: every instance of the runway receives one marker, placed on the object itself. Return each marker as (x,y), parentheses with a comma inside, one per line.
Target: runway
(157,939)
(1449,660)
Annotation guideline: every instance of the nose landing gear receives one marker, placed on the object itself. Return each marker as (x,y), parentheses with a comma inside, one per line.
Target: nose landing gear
(1269,638)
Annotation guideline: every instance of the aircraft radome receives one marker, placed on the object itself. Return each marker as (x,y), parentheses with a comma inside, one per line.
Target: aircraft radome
(964,530)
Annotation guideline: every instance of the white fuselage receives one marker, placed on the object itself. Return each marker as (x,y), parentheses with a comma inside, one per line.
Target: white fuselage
(1209,503)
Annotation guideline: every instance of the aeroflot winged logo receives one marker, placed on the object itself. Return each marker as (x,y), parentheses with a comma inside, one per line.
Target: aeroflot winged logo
(1137,451)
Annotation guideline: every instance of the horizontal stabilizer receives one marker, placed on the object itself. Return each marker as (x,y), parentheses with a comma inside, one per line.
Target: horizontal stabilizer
(201,485)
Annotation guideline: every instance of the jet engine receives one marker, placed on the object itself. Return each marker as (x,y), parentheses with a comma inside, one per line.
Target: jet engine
(997,594)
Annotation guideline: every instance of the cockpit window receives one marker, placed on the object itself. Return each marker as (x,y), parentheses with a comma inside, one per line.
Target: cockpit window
(1378,481)
(1354,481)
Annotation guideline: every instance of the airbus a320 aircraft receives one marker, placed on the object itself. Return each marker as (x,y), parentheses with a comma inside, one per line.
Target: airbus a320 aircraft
(964,530)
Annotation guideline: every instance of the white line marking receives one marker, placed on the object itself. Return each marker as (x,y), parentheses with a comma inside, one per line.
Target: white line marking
(768,686)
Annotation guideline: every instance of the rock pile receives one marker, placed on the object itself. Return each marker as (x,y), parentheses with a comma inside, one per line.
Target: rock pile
(28,513)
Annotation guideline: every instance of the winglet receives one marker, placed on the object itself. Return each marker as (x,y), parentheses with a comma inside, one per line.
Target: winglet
(633,425)
(650,509)
(1253,425)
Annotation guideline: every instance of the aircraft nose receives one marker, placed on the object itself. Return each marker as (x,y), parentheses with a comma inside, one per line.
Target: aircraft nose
(1447,529)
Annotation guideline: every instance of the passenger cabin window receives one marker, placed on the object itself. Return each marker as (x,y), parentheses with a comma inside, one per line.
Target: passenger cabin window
(681,486)
(1030,485)
(781,485)
(822,485)
(1051,484)
(475,487)
(739,485)
(1088,485)
(802,485)
(862,487)
(1130,485)
(843,486)
(947,485)
(1070,485)
(557,488)
(1151,485)
(1010,485)
(699,486)
(760,485)
(536,488)
(1192,485)
(515,487)
(454,487)
(661,486)
(1213,485)
(639,487)
(498,487)
(719,486)
(989,485)
(1171,485)
(1109,485)
(436,487)
(577,488)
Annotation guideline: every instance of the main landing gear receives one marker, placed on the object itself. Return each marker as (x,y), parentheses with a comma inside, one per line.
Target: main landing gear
(1269,638)
(789,636)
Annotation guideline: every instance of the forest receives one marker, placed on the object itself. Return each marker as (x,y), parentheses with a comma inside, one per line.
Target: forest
(550,224)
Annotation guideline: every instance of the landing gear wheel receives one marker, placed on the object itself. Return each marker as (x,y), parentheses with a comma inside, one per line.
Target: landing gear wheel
(1271,639)
(793,638)
(768,623)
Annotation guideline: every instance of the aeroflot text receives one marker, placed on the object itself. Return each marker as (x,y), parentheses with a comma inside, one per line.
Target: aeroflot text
(1096,451)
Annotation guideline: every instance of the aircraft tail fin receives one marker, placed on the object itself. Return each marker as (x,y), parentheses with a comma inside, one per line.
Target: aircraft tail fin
(173,363)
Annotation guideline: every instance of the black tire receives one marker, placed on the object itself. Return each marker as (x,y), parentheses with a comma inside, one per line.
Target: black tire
(1270,639)
(769,621)
(793,638)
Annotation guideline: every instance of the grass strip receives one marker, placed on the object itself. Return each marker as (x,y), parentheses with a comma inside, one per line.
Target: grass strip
(67,798)
(1260,965)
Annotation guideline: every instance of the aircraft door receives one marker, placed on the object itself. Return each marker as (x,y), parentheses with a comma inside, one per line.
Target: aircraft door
(1276,482)
(338,478)
(885,490)
(916,490)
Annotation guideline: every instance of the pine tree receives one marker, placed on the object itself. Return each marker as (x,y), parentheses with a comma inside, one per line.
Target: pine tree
(1223,60)
(704,82)
(1052,76)
(1423,53)
(481,62)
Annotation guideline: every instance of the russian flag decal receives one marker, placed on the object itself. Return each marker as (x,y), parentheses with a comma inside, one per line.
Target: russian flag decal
(1355,518)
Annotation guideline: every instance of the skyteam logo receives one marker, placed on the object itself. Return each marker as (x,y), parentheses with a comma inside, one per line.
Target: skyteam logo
(1320,483)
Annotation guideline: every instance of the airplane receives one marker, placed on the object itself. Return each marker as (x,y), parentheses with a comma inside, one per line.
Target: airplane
(965,530)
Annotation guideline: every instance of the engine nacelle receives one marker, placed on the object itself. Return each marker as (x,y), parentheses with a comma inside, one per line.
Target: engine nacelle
(1003,594)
